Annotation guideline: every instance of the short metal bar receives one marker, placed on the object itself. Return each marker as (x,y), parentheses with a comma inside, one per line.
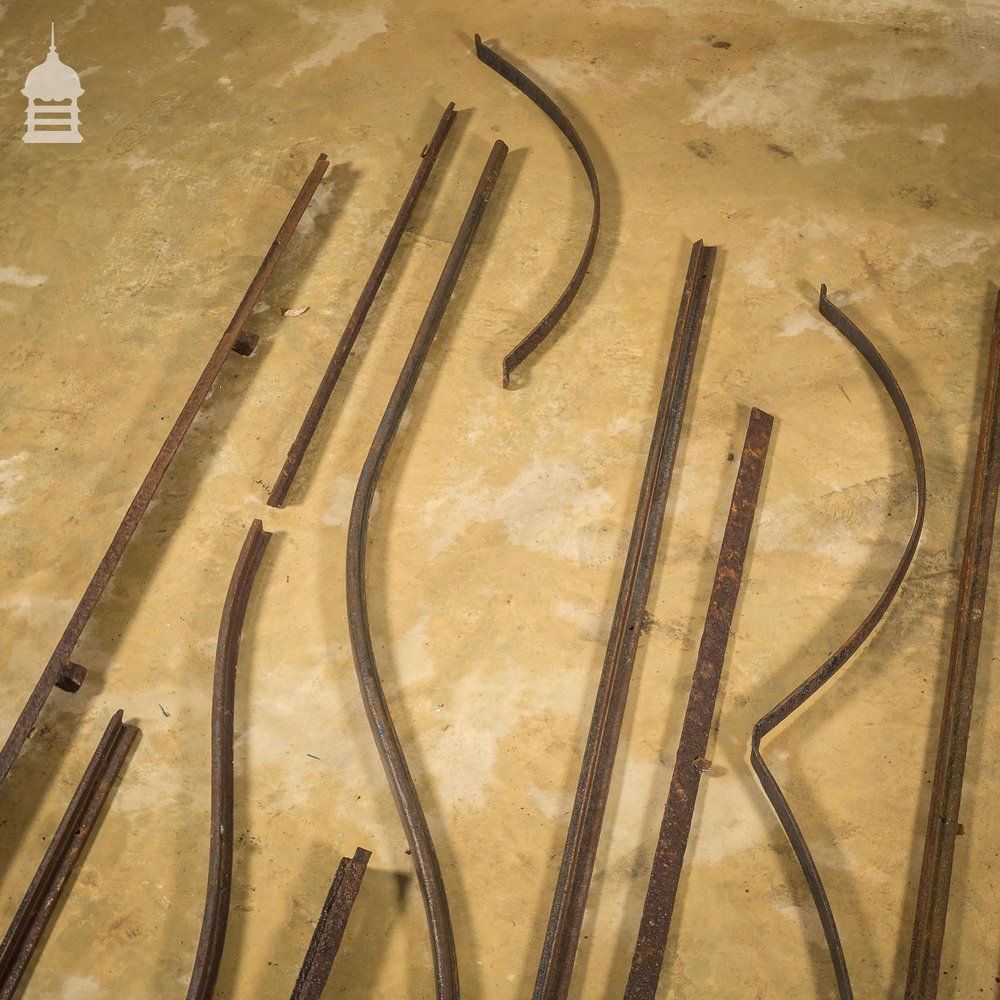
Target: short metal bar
(533,92)
(924,969)
(220,864)
(350,335)
(60,670)
(390,750)
(330,928)
(580,853)
(691,763)
(63,853)
(848,648)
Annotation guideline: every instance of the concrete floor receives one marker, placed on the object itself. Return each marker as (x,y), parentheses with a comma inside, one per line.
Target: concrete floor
(846,141)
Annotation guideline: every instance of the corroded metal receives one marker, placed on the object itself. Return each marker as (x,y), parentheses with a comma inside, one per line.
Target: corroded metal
(330,928)
(531,90)
(580,853)
(924,969)
(848,648)
(350,335)
(220,864)
(690,764)
(390,750)
(63,853)
(61,671)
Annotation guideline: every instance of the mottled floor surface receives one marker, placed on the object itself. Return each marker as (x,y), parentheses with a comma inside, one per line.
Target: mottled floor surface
(850,142)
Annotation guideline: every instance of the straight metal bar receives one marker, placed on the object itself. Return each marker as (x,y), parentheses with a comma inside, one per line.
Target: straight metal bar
(330,928)
(61,671)
(63,853)
(580,853)
(390,750)
(350,335)
(220,864)
(924,968)
(691,763)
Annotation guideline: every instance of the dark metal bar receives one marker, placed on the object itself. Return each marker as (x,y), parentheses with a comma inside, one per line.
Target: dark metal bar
(330,928)
(832,665)
(924,970)
(61,671)
(390,750)
(220,864)
(533,92)
(566,919)
(350,335)
(63,853)
(690,764)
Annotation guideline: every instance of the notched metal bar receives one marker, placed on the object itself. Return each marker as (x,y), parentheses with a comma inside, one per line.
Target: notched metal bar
(63,853)
(220,865)
(533,92)
(848,648)
(61,671)
(562,935)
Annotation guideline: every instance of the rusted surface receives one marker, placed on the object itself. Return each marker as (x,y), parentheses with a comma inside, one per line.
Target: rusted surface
(220,863)
(690,764)
(63,853)
(330,928)
(390,750)
(924,969)
(833,664)
(566,919)
(533,92)
(61,671)
(350,335)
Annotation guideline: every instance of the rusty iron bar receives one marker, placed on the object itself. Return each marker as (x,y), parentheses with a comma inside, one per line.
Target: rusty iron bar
(533,92)
(924,967)
(390,750)
(580,853)
(63,853)
(61,671)
(328,383)
(330,928)
(220,864)
(848,648)
(691,763)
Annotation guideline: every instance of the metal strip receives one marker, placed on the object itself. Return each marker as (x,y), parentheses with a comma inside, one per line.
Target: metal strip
(63,853)
(330,928)
(61,671)
(390,750)
(924,971)
(347,340)
(220,864)
(690,764)
(566,919)
(832,665)
(535,93)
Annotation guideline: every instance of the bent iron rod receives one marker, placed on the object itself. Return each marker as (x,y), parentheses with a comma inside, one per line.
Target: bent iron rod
(848,648)
(220,864)
(63,853)
(390,750)
(924,969)
(350,335)
(61,671)
(654,928)
(566,919)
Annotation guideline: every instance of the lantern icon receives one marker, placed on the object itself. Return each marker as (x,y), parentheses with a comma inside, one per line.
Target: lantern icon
(52,89)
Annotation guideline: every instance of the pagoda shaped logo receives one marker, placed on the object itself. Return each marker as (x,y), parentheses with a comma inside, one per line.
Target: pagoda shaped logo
(52,89)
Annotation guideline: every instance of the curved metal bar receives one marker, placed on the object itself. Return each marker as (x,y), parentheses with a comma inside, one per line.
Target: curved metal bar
(533,92)
(348,338)
(390,750)
(848,648)
(220,864)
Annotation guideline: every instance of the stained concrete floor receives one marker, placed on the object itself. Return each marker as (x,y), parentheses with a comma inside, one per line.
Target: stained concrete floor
(846,141)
